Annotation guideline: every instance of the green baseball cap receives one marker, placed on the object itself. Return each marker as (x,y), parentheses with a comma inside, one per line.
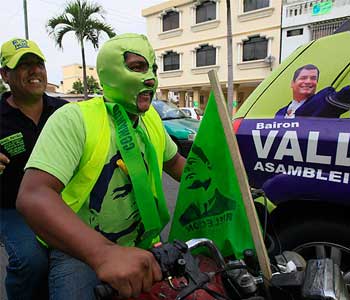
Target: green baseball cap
(13,50)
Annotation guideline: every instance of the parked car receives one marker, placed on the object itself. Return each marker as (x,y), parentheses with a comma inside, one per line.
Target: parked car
(181,128)
(302,163)
(193,112)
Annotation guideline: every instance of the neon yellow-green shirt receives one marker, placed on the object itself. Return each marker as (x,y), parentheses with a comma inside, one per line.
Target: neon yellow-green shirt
(111,208)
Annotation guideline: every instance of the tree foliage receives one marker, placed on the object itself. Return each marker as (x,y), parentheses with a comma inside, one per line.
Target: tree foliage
(92,86)
(86,21)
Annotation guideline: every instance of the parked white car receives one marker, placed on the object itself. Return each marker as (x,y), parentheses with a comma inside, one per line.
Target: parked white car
(193,112)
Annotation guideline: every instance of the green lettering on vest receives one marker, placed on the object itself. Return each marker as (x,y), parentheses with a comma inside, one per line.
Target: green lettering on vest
(129,146)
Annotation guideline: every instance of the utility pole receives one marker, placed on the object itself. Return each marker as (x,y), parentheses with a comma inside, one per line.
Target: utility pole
(25,18)
(229,60)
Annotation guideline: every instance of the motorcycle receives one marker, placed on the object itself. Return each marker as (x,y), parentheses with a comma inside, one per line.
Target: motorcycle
(190,277)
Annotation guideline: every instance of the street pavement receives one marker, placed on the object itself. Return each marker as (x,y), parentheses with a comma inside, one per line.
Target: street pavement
(171,187)
(170,190)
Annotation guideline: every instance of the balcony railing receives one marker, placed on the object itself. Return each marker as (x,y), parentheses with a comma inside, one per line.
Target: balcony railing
(321,29)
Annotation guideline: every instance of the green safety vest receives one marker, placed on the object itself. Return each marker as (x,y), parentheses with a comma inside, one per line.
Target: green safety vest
(97,142)
(97,145)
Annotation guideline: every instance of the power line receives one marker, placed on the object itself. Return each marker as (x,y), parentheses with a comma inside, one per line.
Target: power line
(126,21)
(15,14)
(25,19)
(124,17)
(52,3)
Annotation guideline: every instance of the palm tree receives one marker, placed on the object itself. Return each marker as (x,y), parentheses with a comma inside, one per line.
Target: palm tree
(84,19)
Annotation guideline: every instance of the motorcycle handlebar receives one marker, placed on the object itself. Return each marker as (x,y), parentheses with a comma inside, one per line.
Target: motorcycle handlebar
(104,291)
(209,244)
(175,260)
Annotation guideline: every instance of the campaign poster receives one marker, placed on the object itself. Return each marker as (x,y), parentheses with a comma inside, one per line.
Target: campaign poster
(294,137)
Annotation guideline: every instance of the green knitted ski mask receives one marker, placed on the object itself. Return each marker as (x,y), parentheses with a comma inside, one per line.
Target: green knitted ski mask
(119,83)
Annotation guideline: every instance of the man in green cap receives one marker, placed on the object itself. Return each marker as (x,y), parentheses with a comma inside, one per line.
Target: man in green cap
(24,111)
(92,187)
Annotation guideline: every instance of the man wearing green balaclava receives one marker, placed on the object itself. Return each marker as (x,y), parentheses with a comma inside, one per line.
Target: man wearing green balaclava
(92,187)
(132,89)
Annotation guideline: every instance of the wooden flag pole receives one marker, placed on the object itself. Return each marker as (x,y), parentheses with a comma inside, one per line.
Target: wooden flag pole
(241,176)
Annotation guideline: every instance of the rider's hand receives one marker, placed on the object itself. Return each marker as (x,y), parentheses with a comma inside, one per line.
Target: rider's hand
(4,160)
(128,270)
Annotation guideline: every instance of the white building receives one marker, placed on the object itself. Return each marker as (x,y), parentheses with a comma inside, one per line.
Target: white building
(190,38)
(303,21)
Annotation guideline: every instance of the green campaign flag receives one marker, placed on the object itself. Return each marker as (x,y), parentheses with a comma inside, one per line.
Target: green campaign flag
(209,203)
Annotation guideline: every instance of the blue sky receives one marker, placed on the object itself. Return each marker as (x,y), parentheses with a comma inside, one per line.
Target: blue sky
(124,16)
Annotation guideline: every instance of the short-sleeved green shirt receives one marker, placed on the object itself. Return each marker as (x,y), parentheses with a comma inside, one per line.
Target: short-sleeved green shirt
(111,208)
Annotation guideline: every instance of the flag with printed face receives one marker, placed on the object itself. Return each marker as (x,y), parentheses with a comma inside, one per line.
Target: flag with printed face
(209,203)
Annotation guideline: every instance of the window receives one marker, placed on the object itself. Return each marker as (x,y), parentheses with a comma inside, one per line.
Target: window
(295,32)
(255,48)
(205,56)
(186,111)
(250,5)
(205,12)
(170,20)
(171,61)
